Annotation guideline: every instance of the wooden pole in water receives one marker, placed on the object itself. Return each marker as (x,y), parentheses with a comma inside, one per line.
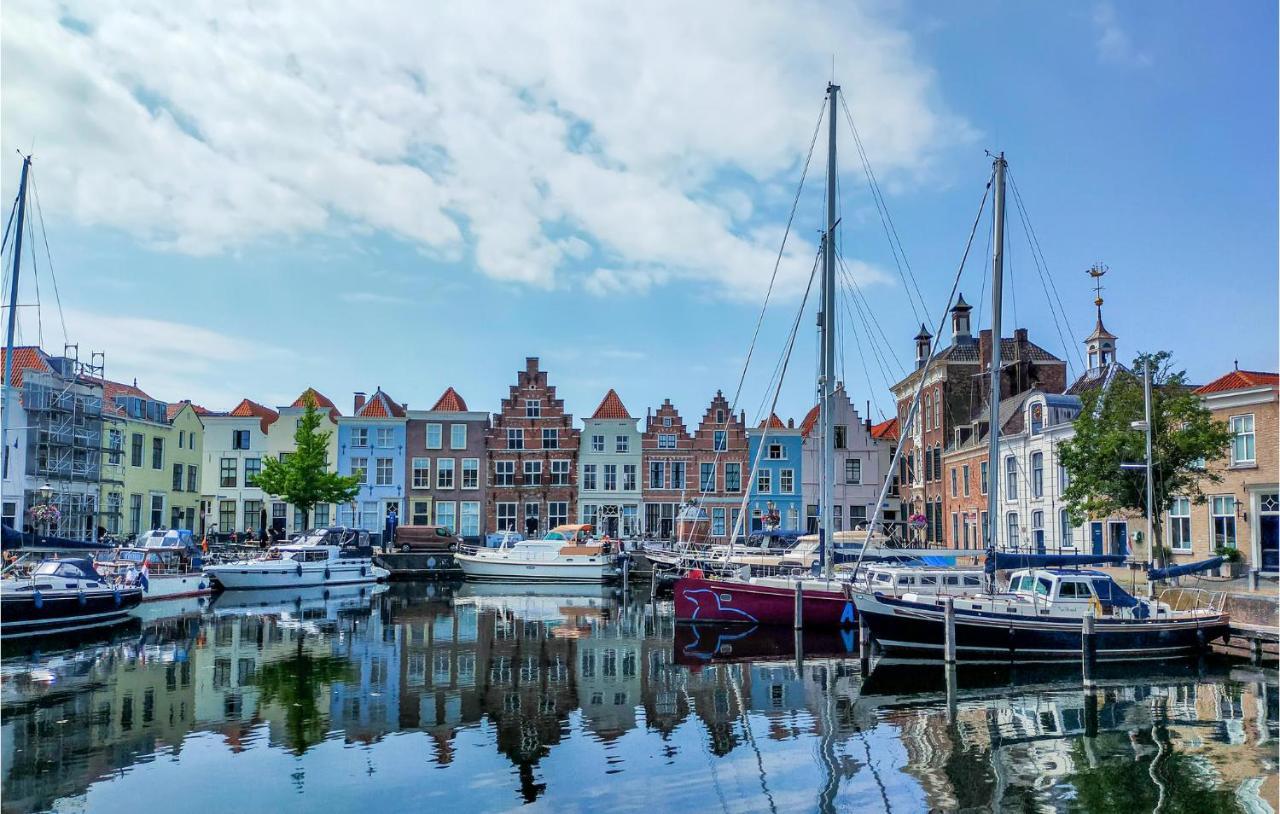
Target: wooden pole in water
(949,618)
(1089,648)
(799,613)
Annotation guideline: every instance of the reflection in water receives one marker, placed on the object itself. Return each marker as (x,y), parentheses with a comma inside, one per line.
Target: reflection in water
(489,697)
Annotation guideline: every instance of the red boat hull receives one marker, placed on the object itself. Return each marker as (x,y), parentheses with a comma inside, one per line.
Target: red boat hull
(731,602)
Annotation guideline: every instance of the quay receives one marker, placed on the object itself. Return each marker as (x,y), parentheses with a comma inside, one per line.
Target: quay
(430,565)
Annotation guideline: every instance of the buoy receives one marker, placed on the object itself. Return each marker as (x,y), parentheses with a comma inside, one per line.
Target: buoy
(299,569)
(117,595)
(82,598)
(37,599)
(695,573)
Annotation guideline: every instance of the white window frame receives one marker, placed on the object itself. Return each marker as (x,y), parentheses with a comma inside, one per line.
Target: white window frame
(621,444)
(470,473)
(786,481)
(515,438)
(597,443)
(360,437)
(532,472)
(590,478)
(1239,433)
(666,440)
(1180,524)
(434,436)
(560,472)
(360,466)
(457,436)
(504,471)
(764,482)
(445,473)
(384,471)
(1228,502)
(385,436)
(533,408)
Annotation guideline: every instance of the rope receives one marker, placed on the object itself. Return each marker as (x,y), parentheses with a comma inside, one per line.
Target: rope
(44,234)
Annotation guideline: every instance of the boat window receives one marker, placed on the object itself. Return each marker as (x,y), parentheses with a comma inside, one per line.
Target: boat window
(1067,590)
(972,582)
(1043,586)
(928,580)
(953,580)
(904,580)
(299,556)
(882,577)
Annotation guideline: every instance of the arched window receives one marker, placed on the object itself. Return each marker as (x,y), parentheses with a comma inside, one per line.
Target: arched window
(1037,418)
(937,408)
(928,411)
(1037,474)
(1011,478)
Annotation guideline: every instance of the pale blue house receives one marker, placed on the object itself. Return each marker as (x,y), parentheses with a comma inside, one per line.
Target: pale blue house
(371,444)
(776,485)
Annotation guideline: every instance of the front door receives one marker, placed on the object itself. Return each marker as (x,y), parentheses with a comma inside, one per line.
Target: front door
(1095,536)
(1119,537)
(1269,531)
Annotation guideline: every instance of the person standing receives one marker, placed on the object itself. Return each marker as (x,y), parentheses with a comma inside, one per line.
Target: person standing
(389,530)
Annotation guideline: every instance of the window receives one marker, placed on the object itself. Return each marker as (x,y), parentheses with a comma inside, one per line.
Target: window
(515,438)
(857,516)
(444,474)
(841,436)
(937,461)
(421,475)
(964,480)
(1037,474)
(228,473)
(557,513)
(621,443)
(1224,521)
(1037,418)
(533,408)
(1011,522)
(589,477)
(177,477)
(1180,524)
(983,475)
(1011,478)
(763,481)
(666,440)
(776,453)
(239,439)
(1037,528)
(707,477)
(445,514)
(435,436)
(610,477)
(504,474)
(928,466)
(1064,529)
(135,450)
(733,477)
(182,437)
(359,436)
(532,472)
(385,436)
(457,436)
(717,521)
(954,481)
(928,412)
(226,513)
(551,439)
(320,515)
(420,512)
(597,443)
(721,440)
(382,471)
(786,481)
(955,526)
(720,415)
(191,477)
(157,511)
(628,477)
(1242,440)
(360,468)
(853,470)
(666,421)
(677,474)
(252,514)
(1064,479)
(986,529)
(560,473)
(657,474)
(590,512)
(506,516)
(470,473)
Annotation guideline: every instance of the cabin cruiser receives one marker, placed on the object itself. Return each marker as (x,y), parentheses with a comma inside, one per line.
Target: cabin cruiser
(566,554)
(329,556)
(62,595)
(167,564)
(1041,617)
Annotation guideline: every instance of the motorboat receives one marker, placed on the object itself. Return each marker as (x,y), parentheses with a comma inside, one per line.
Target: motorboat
(166,562)
(1041,616)
(299,607)
(63,595)
(566,554)
(328,556)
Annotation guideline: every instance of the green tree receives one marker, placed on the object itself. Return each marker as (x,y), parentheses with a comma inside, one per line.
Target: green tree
(303,478)
(1184,435)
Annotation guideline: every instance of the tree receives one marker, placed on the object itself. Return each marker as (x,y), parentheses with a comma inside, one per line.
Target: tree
(1184,435)
(303,478)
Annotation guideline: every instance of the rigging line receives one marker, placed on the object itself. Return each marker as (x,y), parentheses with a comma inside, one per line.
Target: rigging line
(1053,312)
(8,227)
(44,234)
(866,371)
(35,277)
(986,269)
(887,346)
(885,216)
(875,350)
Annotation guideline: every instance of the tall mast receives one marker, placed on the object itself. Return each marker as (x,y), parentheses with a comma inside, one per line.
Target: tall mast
(1146,405)
(13,306)
(993,432)
(827,335)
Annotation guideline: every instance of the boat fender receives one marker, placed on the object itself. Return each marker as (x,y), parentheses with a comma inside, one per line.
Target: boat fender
(326,593)
(202,585)
(37,599)
(83,600)
(431,562)
(326,572)
(695,573)
(1200,636)
(299,569)
(116,593)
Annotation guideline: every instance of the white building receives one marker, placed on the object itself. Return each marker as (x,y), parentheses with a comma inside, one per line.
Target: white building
(609,495)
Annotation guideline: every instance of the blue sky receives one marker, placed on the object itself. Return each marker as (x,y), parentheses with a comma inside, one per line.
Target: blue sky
(252,202)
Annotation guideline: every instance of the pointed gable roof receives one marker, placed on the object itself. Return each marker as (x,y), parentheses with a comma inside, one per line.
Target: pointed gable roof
(810,420)
(1240,380)
(25,358)
(248,408)
(176,407)
(886,430)
(380,405)
(611,406)
(772,423)
(322,402)
(450,401)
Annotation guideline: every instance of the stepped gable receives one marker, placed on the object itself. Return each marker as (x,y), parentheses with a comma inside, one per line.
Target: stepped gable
(656,423)
(611,406)
(450,401)
(380,405)
(248,408)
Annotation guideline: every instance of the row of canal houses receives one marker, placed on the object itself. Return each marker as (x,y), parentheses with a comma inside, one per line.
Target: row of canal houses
(529,467)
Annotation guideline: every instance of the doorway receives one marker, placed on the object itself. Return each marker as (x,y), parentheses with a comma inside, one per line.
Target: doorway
(1269,532)
(1119,537)
(1095,537)
(607,519)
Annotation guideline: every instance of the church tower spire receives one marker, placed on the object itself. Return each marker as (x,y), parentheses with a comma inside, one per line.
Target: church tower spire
(1100,345)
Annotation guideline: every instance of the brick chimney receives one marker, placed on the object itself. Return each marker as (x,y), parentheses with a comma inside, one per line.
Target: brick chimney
(531,365)
(359,401)
(984,348)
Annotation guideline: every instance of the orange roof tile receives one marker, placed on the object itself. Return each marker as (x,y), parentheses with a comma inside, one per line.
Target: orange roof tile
(611,406)
(321,400)
(380,405)
(773,423)
(252,409)
(1240,380)
(810,419)
(886,430)
(176,407)
(26,358)
(450,402)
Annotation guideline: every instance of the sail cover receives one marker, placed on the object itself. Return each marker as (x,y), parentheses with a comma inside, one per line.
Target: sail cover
(1004,560)
(1189,568)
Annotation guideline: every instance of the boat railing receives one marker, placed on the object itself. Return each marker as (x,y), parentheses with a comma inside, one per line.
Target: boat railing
(1192,599)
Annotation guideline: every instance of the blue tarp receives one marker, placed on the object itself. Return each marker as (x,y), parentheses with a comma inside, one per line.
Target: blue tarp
(1004,560)
(1178,570)
(13,539)
(939,562)
(1112,595)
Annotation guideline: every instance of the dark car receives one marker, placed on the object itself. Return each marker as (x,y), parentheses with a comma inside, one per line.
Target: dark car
(425,538)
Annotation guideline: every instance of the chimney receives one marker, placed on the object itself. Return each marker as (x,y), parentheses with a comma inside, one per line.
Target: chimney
(1020,336)
(984,348)
(791,423)
(359,401)
(922,346)
(960,321)
(531,365)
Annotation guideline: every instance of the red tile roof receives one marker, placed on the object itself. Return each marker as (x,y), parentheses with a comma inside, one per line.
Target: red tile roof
(810,419)
(252,409)
(1240,380)
(885,430)
(450,402)
(380,405)
(26,358)
(611,406)
(176,407)
(773,423)
(321,400)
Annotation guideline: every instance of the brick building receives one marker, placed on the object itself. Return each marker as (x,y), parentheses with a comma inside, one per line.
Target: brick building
(532,449)
(445,481)
(952,406)
(666,459)
(720,450)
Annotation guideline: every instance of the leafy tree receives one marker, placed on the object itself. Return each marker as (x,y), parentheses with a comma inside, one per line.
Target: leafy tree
(1183,436)
(303,478)
(295,684)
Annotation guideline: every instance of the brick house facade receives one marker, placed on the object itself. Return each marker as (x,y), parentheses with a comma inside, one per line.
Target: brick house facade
(720,465)
(532,452)
(446,473)
(666,461)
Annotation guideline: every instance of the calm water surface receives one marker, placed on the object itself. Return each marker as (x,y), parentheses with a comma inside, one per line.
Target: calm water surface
(424,697)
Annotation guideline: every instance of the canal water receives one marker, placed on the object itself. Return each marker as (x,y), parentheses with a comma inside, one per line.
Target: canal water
(487,698)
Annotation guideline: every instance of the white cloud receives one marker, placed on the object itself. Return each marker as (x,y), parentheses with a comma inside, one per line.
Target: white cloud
(527,142)
(1113,42)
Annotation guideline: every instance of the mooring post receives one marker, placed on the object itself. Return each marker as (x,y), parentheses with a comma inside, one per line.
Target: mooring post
(626,572)
(1088,649)
(949,641)
(950,674)
(1253,579)
(799,614)
(799,633)
(1255,650)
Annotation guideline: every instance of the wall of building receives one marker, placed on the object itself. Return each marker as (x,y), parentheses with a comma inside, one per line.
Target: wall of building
(615,511)
(778,481)
(464,500)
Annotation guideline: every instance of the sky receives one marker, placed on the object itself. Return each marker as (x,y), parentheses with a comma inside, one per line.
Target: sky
(247,199)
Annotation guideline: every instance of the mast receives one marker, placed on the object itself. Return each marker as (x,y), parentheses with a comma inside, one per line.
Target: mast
(993,431)
(13,308)
(826,335)
(1146,403)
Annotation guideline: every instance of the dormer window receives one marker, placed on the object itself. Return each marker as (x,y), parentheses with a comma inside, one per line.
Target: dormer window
(1037,418)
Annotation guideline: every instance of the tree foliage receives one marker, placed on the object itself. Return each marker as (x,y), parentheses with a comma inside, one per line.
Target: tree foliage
(1184,435)
(303,477)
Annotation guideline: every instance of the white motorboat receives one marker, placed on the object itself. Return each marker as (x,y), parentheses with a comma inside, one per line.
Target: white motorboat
(332,556)
(566,554)
(166,563)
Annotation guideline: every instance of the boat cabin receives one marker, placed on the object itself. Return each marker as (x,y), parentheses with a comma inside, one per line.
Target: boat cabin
(64,574)
(922,579)
(1071,588)
(571,534)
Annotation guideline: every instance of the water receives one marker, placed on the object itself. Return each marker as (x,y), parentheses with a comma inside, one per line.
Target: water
(569,700)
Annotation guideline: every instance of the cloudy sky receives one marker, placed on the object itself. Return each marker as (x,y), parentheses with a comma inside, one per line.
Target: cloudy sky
(247,199)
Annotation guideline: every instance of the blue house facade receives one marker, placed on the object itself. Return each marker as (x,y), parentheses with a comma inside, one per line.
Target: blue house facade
(775,496)
(371,444)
